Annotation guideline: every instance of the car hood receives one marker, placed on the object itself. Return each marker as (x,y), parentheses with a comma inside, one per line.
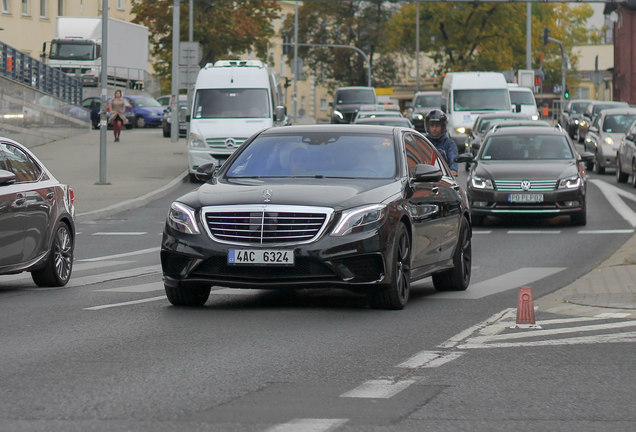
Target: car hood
(515,170)
(334,193)
(348,107)
(616,139)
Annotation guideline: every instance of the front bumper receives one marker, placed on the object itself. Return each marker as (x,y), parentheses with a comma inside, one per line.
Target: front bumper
(492,202)
(355,261)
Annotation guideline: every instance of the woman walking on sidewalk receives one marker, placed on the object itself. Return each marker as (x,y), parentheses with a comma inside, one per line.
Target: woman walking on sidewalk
(117,114)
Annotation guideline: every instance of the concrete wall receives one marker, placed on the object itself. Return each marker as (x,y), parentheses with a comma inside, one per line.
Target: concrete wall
(624,55)
(31,117)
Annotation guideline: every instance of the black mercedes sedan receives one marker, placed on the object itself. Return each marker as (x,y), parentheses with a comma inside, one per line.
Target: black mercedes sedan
(37,231)
(527,171)
(366,208)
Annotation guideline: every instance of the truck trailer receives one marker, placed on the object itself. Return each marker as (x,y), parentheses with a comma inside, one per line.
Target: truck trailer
(77,51)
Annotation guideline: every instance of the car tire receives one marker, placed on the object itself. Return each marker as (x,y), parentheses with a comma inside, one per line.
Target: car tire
(59,264)
(166,132)
(579,218)
(396,295)
(457,278)
(598,169)
(621,177)
(140,122)
(192,296)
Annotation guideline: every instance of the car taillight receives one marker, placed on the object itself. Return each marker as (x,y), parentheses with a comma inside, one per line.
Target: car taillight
(71,195)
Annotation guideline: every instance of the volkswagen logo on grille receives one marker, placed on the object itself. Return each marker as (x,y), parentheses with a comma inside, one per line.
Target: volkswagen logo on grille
(267,195)
(230,143)
(525,185)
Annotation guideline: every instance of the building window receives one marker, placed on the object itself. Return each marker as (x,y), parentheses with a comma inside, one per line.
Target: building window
(25,7)
(6,6)
(120,4)
(43,8)
(60,7)
(323,104)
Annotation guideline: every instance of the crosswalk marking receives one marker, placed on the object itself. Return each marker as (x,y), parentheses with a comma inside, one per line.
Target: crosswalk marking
(308,425)
(378,389)
(613,196)
(504,282)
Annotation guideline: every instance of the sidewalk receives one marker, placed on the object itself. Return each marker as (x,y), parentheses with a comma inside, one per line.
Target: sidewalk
(141,166)
(144,165)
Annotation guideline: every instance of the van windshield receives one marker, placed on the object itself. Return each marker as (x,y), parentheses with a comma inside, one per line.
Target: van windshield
(231,103)
(521,97)
(355,96)
(481,100)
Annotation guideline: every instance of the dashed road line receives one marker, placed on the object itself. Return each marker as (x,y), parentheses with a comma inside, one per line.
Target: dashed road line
(122,255)
(121,233)
(378,389)
(308,425)
(430,359)
(129,303)
(149,287)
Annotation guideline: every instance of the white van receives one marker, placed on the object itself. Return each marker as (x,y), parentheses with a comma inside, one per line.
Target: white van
(233,99)
(465,95)
(522,100)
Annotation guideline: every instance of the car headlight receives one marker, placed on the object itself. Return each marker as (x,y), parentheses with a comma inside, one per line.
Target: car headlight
(418,117)
(181,217)
(570,182)
(461,130)
(360,219)
(196,141)
(481,183)
(609,141)
(576,122)
(338,114)
(535,117)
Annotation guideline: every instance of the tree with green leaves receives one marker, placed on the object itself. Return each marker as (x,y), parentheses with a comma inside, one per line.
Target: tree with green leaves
(224,29)
(357,23)
(488,35)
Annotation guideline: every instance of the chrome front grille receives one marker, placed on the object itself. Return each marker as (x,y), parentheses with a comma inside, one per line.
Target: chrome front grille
(224,143)
(516,185)
(265,224)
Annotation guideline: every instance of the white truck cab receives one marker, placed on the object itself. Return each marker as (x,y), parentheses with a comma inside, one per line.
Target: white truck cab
(465,95)
(233,99)
(522,100)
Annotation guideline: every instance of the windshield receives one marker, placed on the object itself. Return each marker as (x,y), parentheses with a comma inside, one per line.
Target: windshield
(600,107)
(526,147)
(521,98)
(423,101)
(365,115)
(144,102)
(485,123)
(481,100)
(578,107)
(355,96)
(71,51)
(231,103)
(317,155)
(618,123)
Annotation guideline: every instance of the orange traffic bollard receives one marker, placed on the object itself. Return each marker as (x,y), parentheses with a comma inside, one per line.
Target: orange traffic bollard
(525,306)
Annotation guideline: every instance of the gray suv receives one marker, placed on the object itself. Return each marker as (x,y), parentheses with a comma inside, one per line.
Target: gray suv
(348,101)
(423,102)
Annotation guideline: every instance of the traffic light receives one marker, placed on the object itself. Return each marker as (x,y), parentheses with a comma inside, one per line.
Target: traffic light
(566,93)
(546,36)
(286,44)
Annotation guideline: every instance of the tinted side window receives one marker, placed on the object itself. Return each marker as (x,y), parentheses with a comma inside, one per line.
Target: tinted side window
(418,151)
(24,168)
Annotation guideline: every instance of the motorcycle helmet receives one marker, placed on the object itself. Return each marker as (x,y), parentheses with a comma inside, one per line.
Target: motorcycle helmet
(436,116)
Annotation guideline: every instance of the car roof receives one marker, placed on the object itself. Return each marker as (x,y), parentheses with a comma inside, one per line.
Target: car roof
(624,110)
(504,113)
(331,128)
(530,123)
(528,130)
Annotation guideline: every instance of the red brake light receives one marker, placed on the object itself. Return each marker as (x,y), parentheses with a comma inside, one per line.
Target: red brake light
(71,195)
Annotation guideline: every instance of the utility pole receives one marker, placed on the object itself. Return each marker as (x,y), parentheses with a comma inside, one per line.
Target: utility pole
(417,47)
(546,39)
(295,70)
(174,93)
(103,124)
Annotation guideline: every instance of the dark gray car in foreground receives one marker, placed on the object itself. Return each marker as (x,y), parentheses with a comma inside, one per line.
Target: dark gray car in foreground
(365,208)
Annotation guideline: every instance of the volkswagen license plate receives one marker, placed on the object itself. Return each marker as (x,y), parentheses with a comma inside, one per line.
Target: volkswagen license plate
(261,256)
(525,198)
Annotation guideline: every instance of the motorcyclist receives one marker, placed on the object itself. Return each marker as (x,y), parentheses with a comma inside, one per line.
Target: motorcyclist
(436,133)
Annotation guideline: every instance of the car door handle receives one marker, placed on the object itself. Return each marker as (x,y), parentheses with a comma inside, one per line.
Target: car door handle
(20,199)
(50,195)
(457,187)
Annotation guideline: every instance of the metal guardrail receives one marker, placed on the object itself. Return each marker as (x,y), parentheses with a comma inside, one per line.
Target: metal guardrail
(24,69)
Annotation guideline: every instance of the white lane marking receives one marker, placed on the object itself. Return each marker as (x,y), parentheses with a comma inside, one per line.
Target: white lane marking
(308,425)
(378,389)
(122,255)
(626,337)
(608,231)
(149,287)
(113,305)
(103,277)
(482,232)
(121,233)
(534,232)
(465,334)
(504,282)
(76,268)
(613,315)
(429,359)
(613,196)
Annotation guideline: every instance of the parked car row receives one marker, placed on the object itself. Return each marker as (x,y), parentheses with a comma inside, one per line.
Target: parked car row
(141,111)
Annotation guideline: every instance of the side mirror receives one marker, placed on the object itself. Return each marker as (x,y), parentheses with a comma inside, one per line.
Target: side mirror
(587,157)
(6,178)
(188,118)
(465,157)
(331,104)
(517,108)
(279,114)
(443,107)
(427,173)
(475,146)
(206,171)
(593,129)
